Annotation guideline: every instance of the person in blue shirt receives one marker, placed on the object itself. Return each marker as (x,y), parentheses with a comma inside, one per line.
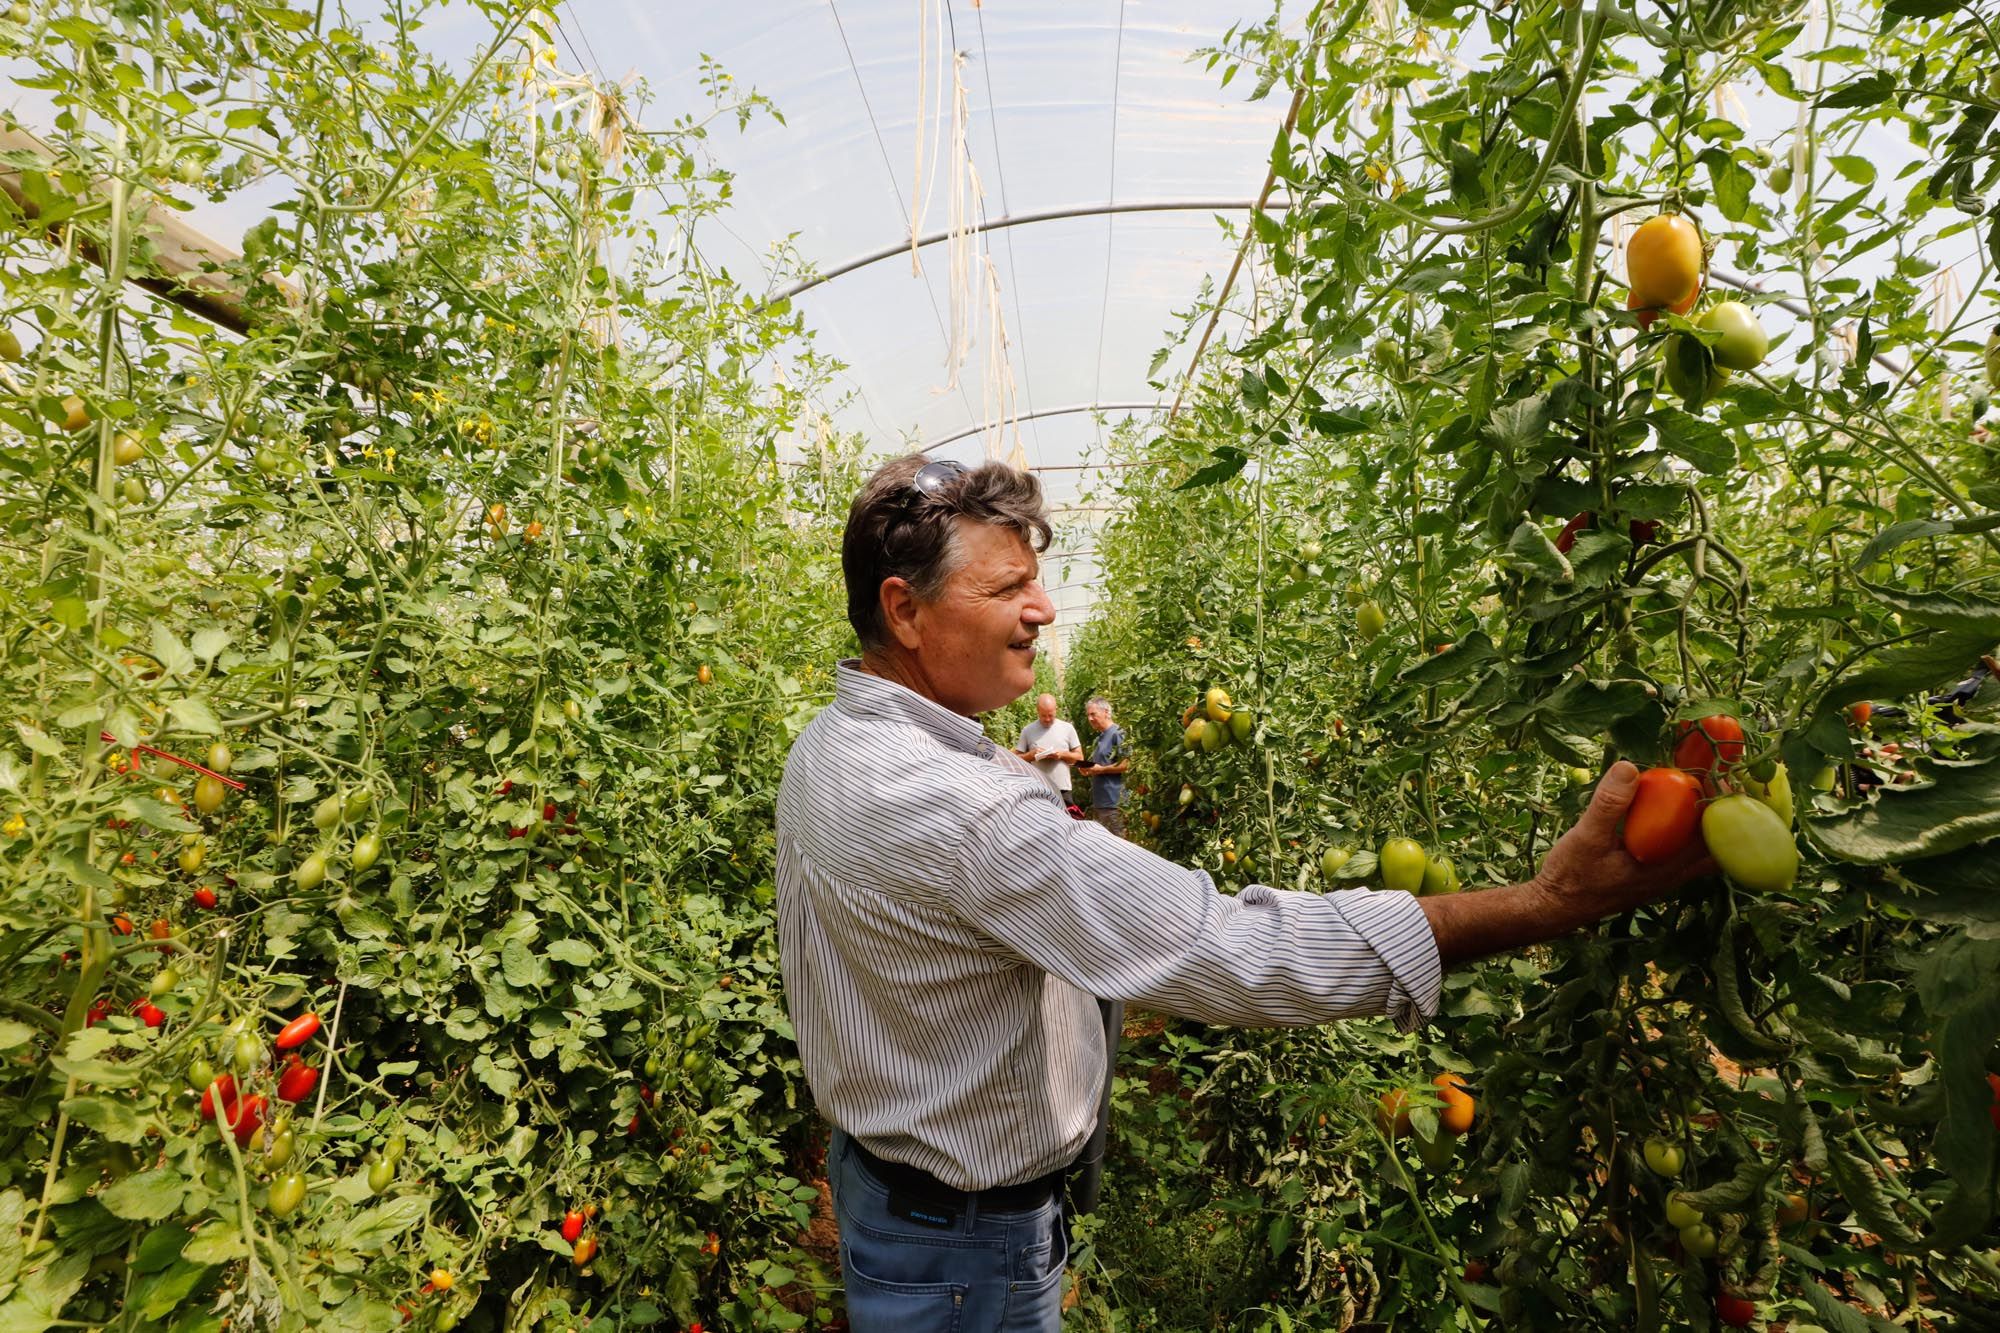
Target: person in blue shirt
(1106,769)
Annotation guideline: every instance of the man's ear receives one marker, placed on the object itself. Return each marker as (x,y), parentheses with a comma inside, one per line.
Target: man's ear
(899,613)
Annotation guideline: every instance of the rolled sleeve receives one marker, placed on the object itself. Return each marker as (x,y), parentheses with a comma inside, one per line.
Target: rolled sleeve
(1395,926)
(1112,919)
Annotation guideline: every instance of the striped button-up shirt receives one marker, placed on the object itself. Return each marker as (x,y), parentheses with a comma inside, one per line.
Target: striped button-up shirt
(944,925)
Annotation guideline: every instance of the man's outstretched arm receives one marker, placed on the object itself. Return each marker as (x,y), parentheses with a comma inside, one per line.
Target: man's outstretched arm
(1587,876)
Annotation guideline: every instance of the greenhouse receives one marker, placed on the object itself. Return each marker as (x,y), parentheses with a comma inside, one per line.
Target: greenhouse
(1000,664)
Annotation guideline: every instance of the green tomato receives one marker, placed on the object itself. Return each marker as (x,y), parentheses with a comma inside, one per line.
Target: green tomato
(1685,361)
(1680,1213)
(1825,778)
(1699,1240)
(1578,776)
(200,1074)
(164,981)
(1333,859)
(393,1149)
(282,1146)
(1242,723)
(287,1193)
(246,1053)
(1751,843)
(1309,551)
(311,872)
(1440,876)
(358,802)
(1780,178)
(1403,865)
(327,813)
(1213,736)
(1369,620)
(1436,1154)
(381,1175)
(1191,738)
(1663,1157)
(367,851)
(1774,791)
(1744,342)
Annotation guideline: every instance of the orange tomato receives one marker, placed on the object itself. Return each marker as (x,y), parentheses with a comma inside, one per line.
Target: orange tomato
(1647,314)
(1663,262)
(1456,1115)
(1663,815)
(1392,1113)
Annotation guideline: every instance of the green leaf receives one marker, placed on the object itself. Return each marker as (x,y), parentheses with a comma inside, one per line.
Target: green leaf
(156,1296)
(215,1242)
(1955,804)
(1455,662)
(1733,183)
(145,1196)
(1866,90)
(194,715)
(172,655)
(38,740)
(375,1227)
(114,1119)
(1863,1191)
(1907,668)
(1702,443)
(1588,707)
(1530,551)
(1971,614)
(1231,461)
(1832,1312)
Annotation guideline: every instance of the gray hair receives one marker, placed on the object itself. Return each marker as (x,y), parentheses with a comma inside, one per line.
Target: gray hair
(897,531)
(1099,701)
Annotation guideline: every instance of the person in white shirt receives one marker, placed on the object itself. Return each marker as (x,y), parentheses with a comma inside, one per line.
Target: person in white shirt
(1051,745)
(947,932)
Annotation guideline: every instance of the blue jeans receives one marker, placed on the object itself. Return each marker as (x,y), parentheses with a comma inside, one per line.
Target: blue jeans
(988,1272)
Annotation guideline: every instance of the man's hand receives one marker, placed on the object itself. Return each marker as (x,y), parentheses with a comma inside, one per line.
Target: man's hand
(1587,876)
(1085,770)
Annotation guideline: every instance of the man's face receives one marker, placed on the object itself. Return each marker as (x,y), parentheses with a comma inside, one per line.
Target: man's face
(975,645)
(1045,709)
(1098,718)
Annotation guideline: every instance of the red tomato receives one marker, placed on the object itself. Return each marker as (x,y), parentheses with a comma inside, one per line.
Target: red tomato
(1663,814)
(1475,1271)
(224,1088)
(150,1014)
(1567,538)
(298,1032)
(572,1225)
(246,1118)
(549,813)
(1993,1082)
(204,897)
(1735,1311)
(1859,713)
(1705,742)
(297,1082)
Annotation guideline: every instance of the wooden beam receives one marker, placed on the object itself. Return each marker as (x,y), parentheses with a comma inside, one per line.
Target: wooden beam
(183,258)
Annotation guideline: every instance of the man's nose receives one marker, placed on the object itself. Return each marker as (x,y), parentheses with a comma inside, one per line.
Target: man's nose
(1039,609)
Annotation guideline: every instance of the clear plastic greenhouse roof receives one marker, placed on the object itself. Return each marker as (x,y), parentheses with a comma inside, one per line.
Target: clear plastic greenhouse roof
(1067,106)
(1093,127)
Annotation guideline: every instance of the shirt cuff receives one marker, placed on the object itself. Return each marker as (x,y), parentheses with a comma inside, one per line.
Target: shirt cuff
(1395,926)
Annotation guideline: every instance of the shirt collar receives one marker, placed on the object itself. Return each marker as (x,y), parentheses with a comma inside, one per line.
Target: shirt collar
(859,694)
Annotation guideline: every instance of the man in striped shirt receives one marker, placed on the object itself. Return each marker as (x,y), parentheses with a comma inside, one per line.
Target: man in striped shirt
(945,929)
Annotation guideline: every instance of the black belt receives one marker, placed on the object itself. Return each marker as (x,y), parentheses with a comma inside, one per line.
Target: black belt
(921,1184)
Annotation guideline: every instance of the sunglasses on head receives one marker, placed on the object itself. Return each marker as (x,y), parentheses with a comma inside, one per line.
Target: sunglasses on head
(932,478)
